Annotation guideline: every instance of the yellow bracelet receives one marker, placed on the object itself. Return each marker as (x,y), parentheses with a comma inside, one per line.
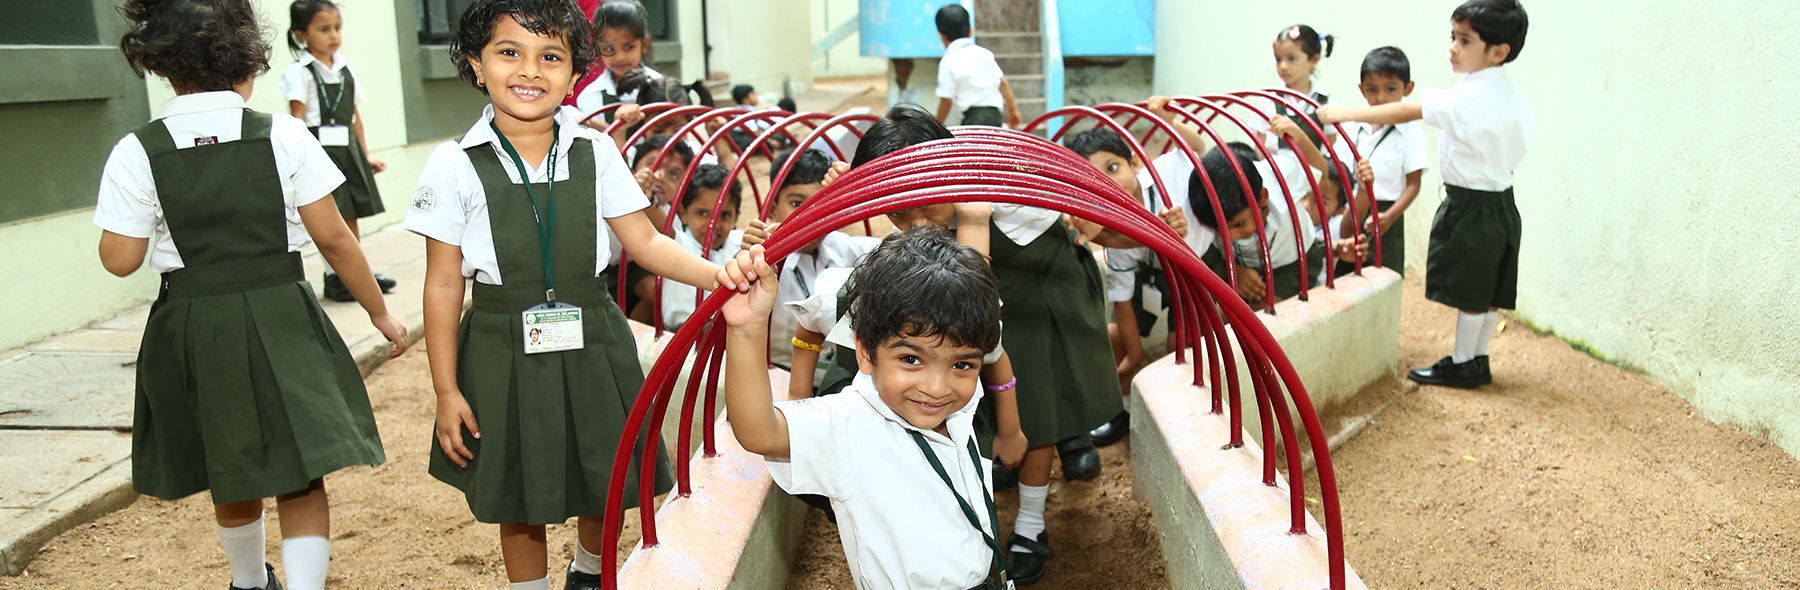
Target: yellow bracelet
(808,345)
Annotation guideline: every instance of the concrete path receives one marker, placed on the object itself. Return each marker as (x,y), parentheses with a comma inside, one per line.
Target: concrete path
(66,404)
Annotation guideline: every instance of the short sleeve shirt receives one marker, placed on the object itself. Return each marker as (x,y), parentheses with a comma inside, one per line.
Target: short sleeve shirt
(1392,151)
(450,204)
(677,297)
(1487,128)
(128,203)
(595,95)
(969,76)
(297,83)
(799,277)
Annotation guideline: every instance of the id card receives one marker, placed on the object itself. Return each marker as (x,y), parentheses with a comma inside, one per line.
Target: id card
(553,327)
(1152,298)
(334,135)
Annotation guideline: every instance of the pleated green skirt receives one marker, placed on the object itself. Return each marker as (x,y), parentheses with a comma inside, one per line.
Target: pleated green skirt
(249,394)
(550,422)
(358,197)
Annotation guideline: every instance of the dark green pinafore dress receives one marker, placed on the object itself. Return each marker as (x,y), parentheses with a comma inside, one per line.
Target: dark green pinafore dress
(550,422)
(358,197)
(1054,330)
(243,385)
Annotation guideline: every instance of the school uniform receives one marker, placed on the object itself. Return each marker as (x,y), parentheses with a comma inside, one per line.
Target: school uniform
(551,421)
(970,78)
(900,523)
(677,297)
(1393,152)
(1136,274)
(1473,260)
(244,386)
(1279,229)
(1303,110)
(324,90)
(605,90)
(1055,322)
(799,274)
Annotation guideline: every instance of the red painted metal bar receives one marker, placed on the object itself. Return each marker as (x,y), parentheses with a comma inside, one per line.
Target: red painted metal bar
(1288,193)
(1331,149)
(1137,224)
(1356,154)
(1227,248)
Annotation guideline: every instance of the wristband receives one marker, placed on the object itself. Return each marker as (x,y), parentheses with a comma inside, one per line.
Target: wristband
(1009,384)
(808,345)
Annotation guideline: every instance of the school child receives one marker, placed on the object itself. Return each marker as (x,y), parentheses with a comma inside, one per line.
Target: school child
(1297,50)
(801,270)
(744,95)
(654,90)
(1279,226)
(316,86)
(244,387)
(1393,155)
(968,77)
(895,451)
(1055,327)
(524,203)
(695,213)
(1473,260)
(624,45)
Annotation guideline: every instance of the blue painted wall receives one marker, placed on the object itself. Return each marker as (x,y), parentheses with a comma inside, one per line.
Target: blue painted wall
(1106,27)
(902,28)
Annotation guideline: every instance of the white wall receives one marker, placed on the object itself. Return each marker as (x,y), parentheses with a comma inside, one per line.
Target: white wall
(771,42)
(1658,206)
(846,58)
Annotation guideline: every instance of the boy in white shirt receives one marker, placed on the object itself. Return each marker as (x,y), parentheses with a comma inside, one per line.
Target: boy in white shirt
(968,77)
(1393,156)
(896,452)
(1473,261)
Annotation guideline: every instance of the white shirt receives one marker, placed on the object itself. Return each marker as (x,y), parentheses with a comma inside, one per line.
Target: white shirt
(450,205)
(1402,153)
(969,76)
(1487,128)
(297,84)
(1278,227)
(900,525)
(1267,106)
(1023,224)
(1177,172)
(593,97)
(678,297)
(819,313)
(799,276)
(128,203)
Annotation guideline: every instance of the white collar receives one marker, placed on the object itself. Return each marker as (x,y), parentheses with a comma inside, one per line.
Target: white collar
(1489,73)
(337,60)
(481,132)
(959,44)
(958,423)
(200,102)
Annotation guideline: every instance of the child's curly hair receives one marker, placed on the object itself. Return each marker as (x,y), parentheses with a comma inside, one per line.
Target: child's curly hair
(557,18)
(198,45)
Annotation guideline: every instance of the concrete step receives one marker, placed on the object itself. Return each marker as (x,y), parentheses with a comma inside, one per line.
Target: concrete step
(1020,63)
(1007,15)
(1012,42)
(1026,85)
(1030,108)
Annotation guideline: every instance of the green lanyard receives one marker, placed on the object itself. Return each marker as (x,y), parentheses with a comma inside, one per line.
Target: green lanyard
(328,109)
(546,222)
(968,512)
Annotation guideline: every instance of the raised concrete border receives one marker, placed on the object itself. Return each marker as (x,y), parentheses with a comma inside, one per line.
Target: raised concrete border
(87,474)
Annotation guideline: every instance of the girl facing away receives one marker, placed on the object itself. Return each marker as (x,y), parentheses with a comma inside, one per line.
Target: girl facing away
(244,387)
(316,86)
(525,203)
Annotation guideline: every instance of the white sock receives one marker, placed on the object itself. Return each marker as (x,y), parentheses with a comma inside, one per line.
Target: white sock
(1031,512)
(538,584)
(304,560)
(1468,331)
(585,562)
(244,551)
(327,264)
(1490,320)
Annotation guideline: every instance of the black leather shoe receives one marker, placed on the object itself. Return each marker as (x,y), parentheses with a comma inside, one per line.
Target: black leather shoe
(1487,375)
(1004,479)
(336,291)
(1025,568)
(385,283)
(1080,460)
(581,581)
(1113,430)
(1449,373)
(274,584)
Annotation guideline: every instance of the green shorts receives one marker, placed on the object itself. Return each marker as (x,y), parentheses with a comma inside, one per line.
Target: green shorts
(1473,261)
(989,116)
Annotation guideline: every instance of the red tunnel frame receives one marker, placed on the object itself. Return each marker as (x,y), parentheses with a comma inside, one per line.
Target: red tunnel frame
(1002,167)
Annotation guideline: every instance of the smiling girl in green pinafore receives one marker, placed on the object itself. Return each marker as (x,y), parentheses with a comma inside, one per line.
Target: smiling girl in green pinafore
(524,203)
(244,387)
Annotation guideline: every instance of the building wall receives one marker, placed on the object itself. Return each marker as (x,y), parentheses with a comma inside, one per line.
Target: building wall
(846,58)
(1658,226)
(771,45)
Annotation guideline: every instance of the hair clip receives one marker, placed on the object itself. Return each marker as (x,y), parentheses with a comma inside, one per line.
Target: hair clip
(1294,33)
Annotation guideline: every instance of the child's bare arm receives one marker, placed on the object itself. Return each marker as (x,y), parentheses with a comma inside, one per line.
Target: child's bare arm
(972,225)
(749,403)
(806,361)
(943,112)
(298,109)
(376,165)
(1010,443)
(444,284)
(122,255)
(1160,106)
(1393,113)
(662,255)
(1288,128)
(1014,119)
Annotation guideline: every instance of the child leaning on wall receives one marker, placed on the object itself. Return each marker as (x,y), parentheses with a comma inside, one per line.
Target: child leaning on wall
(968,77)
(1473,260)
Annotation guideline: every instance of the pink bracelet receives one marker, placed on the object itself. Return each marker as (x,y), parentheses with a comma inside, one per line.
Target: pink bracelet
(1009,384)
